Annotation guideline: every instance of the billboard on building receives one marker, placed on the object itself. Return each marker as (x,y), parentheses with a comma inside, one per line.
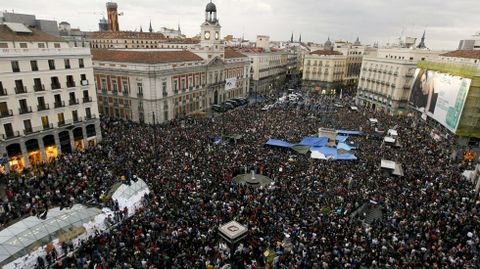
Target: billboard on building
(230,83)
(440,96)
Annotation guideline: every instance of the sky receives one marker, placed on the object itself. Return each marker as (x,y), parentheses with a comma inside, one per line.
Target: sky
(383,21)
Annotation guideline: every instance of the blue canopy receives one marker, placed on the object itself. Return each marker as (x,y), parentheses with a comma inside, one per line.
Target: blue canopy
(348,132)
(346,156)
(328,152)
(344,146)
(341,138)
(314,141)
(278,143)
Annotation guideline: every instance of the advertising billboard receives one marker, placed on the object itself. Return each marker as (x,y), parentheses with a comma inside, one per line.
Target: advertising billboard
(440,96)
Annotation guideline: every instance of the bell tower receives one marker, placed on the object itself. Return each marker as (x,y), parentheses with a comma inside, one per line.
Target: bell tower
(211,41)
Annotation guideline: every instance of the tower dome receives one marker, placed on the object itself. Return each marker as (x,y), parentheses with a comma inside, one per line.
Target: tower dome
(211,7)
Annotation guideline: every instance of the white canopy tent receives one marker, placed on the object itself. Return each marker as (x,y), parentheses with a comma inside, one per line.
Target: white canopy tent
(130,196)
(396,168)
(20,238)
(389,139)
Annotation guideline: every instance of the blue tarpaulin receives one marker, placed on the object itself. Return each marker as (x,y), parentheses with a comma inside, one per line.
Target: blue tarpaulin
(331,153)
(344,146)
(278,143)
(328,152)
(348,132)
(346,156)
(341,138)
(314,141)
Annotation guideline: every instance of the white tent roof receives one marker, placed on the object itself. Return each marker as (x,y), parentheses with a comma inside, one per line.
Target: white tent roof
(126,192)
(16,239)
(392,132)
(388,164)
(373,120)
(389,139)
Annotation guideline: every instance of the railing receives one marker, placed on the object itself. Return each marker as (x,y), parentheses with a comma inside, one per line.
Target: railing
(140,94)
(10,135)
(165,94)
(25,110)
(56,86)
(48,126)
(28,131)
(70,84)
(20,90)
(73,102)
(90,117)
(3,92)
(7,113)
(39,87)
(78,119)
(43,107)
(59,104)
(87,99)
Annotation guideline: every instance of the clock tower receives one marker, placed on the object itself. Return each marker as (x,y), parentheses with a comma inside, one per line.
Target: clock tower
(211,42)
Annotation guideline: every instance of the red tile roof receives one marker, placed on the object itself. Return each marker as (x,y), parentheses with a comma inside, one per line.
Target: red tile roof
(326,52)
(231,53)
(148,57)
(35,36)
(141,35)
(471,54)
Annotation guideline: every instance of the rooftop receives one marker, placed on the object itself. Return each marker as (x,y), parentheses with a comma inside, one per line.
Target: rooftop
(6,34)
(471,54)
(231,53)
(147,57)
(326,52)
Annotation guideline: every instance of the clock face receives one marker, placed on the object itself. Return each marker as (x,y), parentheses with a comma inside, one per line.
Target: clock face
(207,35)
(217,35)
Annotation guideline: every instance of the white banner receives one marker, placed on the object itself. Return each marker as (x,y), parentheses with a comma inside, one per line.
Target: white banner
(230,83)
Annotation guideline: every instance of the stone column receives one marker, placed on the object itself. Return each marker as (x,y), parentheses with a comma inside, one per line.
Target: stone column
(41,146)
(24,153)
(72,140)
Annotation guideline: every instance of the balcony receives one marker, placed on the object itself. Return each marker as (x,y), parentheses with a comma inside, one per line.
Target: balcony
(28,131)
(140,94)
(165,94)
(10,135)
(78,119)
(20,90)
(7,113)
(84,82)
(87,99)
(43,107)
(73,102)
(48,126)
(125,93)
(56,86)
(59,104)
(3,92)
(90,117)
(25,110)
(39,87)
(70,84)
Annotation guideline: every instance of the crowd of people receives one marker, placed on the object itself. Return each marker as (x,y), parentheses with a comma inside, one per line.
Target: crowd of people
(302,220)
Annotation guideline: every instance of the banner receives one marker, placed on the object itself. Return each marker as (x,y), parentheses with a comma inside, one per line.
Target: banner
(440,96)
(230,83)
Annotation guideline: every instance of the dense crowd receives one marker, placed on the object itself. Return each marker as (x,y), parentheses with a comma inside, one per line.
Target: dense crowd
(303,220)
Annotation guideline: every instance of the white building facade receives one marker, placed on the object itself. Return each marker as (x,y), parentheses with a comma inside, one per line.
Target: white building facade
(47,103)
(386,78)
(323,68)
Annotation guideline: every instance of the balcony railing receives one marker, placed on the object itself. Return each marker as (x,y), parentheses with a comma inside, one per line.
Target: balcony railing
(5,114)
(25,110)
(56,86)
(78,119)
(39,87)
(3,92)
(59,104)
(28,131)
(70,84)
(165,94)
(90,117)
(73,102)
(87,99)
(48,126)
(20,90)
(43,107)
(140,94)
(10,135)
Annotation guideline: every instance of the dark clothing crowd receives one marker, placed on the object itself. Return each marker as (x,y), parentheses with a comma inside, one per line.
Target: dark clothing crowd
(302,220)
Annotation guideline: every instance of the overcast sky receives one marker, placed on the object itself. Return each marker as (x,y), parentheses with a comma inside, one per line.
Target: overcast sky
(446,22)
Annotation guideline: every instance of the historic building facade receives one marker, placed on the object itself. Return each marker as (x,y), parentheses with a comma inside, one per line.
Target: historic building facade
(47,104)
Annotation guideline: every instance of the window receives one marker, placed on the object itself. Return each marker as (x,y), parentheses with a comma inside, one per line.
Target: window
(56,45)
(41,45)
(51,64)
(34,65)
(58,100)
(41,103)
(4,112)
(125,86)
(70,82)
(15,66)
(104,85)
(80,63)
(23,45)
(37,85)
(19,88)
(23,106)
(3,45)
(140,89)
(72,100)
(28,126)
(55,83)
(164,88)
(75,115)
(8,130)
(45,122)
(61,119)
(67,63)
(88,113)
(175,86)
(114,86)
